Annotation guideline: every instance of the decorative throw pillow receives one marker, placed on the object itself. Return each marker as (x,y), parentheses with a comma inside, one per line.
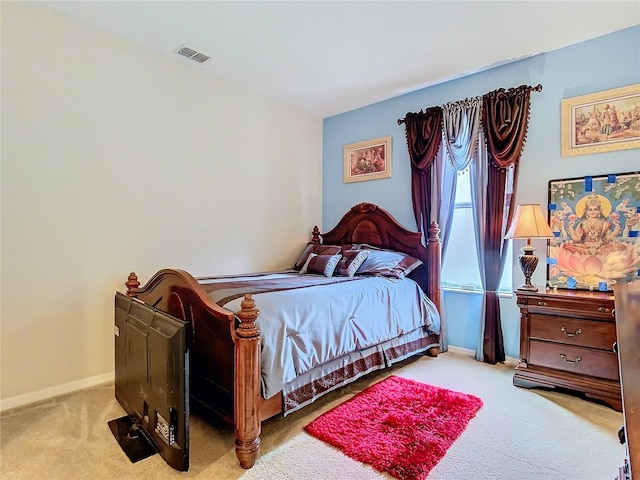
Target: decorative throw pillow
(318,249)
(321,264)
(350,262)
(388,263)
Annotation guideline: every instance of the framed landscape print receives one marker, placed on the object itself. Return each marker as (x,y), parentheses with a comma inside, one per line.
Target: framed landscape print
(368,160)
(595,222)
(601,122)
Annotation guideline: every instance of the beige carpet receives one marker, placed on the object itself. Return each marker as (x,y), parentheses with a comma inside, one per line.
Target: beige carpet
(519,434)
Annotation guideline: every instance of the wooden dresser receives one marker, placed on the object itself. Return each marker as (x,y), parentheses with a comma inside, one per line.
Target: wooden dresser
(567,340)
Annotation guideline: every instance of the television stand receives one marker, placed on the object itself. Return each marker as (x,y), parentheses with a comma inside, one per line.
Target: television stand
(131,439)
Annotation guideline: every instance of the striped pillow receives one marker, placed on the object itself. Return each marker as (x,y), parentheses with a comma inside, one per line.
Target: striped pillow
(321,264)
(318,249)
(387,263)
(350,262)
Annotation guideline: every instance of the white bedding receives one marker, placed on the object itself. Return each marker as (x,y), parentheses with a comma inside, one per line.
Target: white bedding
(307,327)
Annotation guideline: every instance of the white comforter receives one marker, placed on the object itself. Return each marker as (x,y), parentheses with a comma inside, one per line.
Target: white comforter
(306,327)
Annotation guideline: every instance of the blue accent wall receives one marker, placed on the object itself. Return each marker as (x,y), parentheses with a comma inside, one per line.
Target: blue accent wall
(603,63)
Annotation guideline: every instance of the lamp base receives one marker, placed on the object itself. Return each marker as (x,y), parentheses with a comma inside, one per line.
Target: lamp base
(528,264)
(528,288)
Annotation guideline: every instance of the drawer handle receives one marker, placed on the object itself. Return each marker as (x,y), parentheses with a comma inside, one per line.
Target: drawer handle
(569,334)
(603,310)
(575,362)
(542,304)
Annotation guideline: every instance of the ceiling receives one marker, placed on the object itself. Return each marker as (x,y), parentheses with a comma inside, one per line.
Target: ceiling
(328,57)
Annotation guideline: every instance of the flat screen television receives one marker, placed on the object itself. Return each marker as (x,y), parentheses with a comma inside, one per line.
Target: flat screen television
(151,382)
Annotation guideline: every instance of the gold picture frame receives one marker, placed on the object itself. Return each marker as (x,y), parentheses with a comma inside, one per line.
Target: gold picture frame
(601,122)
(367,160)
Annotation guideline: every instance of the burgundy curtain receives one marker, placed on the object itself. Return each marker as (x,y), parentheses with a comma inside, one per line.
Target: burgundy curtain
(424,135)
(505,119)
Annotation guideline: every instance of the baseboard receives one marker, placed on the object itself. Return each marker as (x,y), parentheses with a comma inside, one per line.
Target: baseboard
(48,393)
(472,353)
(462,351)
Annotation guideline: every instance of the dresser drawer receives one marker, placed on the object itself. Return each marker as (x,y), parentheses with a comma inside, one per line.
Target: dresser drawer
(573,331)
(574,306)
(574,359)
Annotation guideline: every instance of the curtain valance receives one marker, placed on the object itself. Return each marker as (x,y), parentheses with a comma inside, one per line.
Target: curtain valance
(505,119)
(461,125)
(424,135)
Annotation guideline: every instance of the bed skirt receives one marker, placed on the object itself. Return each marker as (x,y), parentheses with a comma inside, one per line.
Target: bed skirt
(323,379)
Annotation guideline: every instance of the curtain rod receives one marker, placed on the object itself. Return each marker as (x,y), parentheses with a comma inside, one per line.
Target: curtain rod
(537,88)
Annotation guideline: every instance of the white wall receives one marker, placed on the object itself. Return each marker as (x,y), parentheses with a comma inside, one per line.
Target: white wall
(114,159)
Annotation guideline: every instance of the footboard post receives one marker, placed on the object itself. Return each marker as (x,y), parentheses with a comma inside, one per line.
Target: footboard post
(433,252)
(247,384)
(434,281)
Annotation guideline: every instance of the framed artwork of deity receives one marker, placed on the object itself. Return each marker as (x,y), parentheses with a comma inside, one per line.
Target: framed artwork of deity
(596,222)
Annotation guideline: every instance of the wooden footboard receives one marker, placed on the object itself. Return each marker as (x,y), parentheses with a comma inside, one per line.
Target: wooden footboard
(225,346)
(212,377)
(225,353)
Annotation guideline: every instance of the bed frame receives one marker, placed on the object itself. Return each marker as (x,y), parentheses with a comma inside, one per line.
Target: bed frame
(225,351)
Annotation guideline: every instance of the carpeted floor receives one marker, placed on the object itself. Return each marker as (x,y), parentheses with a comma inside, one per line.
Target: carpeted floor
(518,434)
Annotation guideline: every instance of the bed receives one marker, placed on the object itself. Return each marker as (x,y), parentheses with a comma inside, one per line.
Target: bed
(258,347)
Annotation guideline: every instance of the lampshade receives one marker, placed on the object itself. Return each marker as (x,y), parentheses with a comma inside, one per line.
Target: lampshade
(529,222)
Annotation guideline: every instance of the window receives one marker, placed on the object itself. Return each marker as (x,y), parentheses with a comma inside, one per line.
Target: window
(460,267)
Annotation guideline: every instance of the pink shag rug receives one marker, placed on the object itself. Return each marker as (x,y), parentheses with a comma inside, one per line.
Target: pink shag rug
(398,426)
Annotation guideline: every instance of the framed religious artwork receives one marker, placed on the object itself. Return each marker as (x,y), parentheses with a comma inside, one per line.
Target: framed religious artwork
(367,160)
(595,222)
(601,122)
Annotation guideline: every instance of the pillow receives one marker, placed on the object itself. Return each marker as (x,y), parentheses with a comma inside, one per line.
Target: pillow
(363,246)
(318,249)
(387,263)
(320,264)
(366,246)
(351,261)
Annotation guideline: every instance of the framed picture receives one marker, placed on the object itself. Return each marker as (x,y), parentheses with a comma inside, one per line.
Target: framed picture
(601,122)
(595,222)
(368,160)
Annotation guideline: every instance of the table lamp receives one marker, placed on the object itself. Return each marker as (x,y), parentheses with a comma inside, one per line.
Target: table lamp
(528,222)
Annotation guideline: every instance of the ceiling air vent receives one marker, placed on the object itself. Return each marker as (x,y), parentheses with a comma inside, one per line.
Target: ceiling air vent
(193,54)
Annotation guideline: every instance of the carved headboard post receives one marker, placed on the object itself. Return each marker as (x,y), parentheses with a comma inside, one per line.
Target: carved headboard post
(315,235)
(434,281)
(132,284)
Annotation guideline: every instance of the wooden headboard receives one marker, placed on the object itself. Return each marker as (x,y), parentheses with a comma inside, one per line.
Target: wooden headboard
(368,223)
